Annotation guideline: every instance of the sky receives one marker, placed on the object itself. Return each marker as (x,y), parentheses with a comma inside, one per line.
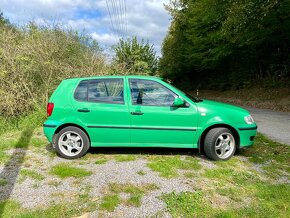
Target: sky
(104,20)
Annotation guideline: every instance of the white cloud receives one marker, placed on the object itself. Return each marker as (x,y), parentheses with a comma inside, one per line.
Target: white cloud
(106,38)
(145,19)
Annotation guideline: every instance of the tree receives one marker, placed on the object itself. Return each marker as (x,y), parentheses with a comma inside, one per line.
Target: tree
(227,44)
(133,57)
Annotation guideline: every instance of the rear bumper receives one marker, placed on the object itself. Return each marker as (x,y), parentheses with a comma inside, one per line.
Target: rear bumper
(49,128)
(247,135)
(49,132)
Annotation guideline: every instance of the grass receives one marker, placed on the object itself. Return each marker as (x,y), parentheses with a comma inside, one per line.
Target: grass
(272,156)
(65,170)
(269,201)
(101,161)
(3,182)
(125,158)
(233,188)
(112,199)
(187,204)
(83,201)
(110,202)
(167,166)
(26,173)
(141,173)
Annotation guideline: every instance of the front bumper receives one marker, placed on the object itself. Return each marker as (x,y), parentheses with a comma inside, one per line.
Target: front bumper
(247,135)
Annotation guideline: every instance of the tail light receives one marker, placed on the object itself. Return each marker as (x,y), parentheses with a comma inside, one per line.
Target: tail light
(49,108)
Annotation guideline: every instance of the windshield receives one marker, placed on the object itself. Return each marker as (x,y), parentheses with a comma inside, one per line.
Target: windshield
(193,98)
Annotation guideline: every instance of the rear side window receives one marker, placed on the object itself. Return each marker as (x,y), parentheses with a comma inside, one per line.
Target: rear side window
(101,90)
(81,93)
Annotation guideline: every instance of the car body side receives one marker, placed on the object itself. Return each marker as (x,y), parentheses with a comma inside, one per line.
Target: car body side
(205,115)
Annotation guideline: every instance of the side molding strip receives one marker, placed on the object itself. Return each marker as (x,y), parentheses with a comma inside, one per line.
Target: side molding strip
(143,128)
(48,125)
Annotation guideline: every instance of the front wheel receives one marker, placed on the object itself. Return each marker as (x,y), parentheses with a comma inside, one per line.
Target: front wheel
(71,142)
(219,144)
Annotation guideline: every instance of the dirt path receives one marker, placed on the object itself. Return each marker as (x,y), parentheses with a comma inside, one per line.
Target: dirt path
(273,124)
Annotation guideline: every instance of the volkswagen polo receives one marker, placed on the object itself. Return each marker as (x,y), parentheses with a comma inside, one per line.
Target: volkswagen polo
(141,111)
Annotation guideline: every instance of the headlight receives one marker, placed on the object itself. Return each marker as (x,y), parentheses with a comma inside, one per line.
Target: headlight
(249,119)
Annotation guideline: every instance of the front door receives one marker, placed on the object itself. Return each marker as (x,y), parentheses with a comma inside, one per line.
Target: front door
(154,122)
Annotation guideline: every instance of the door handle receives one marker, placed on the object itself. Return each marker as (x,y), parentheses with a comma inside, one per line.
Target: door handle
(84,110)
(136,113)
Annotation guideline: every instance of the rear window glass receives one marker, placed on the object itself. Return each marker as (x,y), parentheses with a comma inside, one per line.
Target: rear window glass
(101,90)
(81,92)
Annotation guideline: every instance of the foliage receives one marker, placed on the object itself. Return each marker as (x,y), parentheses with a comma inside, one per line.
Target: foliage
(133,57)
(35,59)
(168,166)
(26,173)
(112,200)
(64,170)
(125,158)
(227,44)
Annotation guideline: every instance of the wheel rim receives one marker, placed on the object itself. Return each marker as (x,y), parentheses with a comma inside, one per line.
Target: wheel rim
(225,145)
(70,143)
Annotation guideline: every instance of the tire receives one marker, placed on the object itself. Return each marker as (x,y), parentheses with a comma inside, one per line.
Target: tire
(219,144)
(71,142)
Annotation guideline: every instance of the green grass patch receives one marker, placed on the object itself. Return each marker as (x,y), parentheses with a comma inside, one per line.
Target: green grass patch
(101,161)
(110,202)
(112,199)
(268,201)
(167,166)
(26,173)
(136,192)
(125,158)
(3,182)
(3,157)
(232,176)
(190,175)
(13,209)
(187,204)
(141,173)
(65,170)
(273,156)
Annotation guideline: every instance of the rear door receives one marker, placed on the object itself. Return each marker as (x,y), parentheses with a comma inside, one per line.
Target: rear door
(100,104)
(154,121)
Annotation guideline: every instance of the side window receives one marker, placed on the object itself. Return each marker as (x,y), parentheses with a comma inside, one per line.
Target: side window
(81,93)
(101,90)
(148,92)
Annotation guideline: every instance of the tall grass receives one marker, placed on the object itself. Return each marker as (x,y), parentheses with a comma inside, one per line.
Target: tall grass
(33,62)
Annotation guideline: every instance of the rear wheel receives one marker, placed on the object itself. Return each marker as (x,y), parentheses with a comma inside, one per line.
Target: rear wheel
(71,142)
(219,144)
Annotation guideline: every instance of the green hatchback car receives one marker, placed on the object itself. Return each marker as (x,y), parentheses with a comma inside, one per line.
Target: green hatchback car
(141,111)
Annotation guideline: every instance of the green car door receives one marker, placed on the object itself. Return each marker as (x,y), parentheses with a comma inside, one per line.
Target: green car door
(100,105)
(154,121)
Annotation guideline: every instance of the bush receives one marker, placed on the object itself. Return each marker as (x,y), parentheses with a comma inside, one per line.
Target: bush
(35,59)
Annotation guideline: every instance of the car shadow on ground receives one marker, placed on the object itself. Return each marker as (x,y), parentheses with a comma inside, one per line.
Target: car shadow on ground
(143,151)
(13,166)
(136,151)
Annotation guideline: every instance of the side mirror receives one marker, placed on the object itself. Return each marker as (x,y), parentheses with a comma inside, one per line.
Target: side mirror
(178,102)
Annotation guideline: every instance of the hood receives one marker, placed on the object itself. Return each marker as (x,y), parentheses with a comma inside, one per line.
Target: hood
(214,105)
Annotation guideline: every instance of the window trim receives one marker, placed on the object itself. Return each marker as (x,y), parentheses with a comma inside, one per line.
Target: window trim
(99,102)
(186,105)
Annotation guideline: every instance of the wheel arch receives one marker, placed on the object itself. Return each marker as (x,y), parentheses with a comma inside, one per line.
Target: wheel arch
(70,124)
(202,137)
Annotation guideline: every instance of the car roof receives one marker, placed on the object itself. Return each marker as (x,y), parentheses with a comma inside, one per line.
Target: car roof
(114,76)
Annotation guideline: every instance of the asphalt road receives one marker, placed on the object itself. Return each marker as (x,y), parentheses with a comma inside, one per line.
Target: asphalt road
(275,125)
